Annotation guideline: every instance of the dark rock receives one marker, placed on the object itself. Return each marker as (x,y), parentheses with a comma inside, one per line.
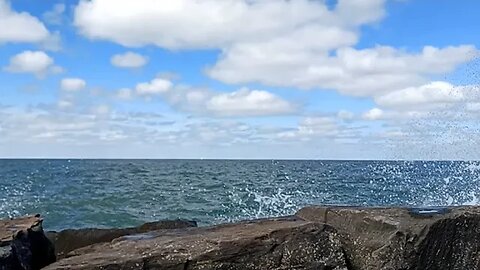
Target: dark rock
(452,243)
(286,243)
(68,240)
(23,244)
(401,238)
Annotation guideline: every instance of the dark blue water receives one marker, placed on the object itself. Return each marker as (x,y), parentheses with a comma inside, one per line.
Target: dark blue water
(118,193)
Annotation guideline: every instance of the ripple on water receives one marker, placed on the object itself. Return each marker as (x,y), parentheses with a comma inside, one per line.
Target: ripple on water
(118,193)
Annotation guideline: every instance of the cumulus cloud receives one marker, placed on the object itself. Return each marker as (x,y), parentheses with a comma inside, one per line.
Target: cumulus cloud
(438,101)
(365,72)
(35,62)
(217,23)
(22,27)
(248,102)
(432,94)
(311,47)
(374,114)
(129,60)
(72,84)
(243,102)
(155,87)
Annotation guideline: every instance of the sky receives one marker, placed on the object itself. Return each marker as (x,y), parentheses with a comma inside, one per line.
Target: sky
(240,79)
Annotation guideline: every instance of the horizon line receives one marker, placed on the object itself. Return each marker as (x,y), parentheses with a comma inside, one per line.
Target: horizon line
(232,159)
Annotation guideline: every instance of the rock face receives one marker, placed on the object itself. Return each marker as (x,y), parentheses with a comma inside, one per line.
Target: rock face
(452,243)
(23,244)
(410,239)
(286,243)
(68,240)
(316,238)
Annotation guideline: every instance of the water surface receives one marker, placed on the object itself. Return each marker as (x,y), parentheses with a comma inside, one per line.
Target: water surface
(119,193)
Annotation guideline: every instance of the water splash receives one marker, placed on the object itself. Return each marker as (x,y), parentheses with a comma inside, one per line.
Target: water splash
(92,193)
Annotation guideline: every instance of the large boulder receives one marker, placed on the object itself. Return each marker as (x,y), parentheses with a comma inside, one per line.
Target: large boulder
(451,243)
(403,238)
(286,243)
(23,244)
(71,239)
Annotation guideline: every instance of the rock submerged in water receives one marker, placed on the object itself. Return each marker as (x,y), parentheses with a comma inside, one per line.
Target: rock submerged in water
(324,238)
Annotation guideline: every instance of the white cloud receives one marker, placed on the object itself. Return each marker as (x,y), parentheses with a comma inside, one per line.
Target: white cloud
(129,60)
(55,16)
(357,12)
(20,26)
(246,102)
(311,47)
(72,84)
(424,97)
(365,72)
(217,24)
(154,87)
(435,101)
(374,114)
(35,62)
(323,129)
(95,130)
(243,102)
(324,126)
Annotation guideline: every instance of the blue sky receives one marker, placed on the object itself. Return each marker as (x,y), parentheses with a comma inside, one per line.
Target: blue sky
(357,79)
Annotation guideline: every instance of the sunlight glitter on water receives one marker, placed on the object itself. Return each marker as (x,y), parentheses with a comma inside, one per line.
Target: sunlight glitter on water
(118,193)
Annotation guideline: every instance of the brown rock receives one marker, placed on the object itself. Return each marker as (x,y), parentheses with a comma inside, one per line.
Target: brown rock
(286,243)
(10,227)
(401,238)
(69,240)
(451,243)
(23,244)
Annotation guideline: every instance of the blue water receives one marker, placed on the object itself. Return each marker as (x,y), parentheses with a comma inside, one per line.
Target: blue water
(119,193)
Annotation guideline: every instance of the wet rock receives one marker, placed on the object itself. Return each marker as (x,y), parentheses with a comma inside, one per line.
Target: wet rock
(401,238)
(23,244)
(287,243)
(68,240)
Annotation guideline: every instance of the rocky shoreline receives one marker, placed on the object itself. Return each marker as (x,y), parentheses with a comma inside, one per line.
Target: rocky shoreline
(316,237)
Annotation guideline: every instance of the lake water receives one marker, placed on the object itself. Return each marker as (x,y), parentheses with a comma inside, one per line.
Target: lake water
(119,193)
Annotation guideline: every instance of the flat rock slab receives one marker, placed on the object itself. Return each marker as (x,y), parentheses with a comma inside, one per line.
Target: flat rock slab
(69,240)
(23,244)
(286,243)
(10,227)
